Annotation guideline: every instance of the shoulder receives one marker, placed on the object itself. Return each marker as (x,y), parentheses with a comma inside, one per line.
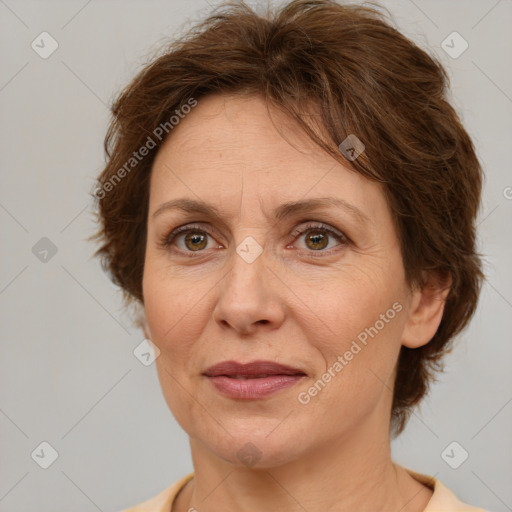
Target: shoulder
(162,501)
(443,499)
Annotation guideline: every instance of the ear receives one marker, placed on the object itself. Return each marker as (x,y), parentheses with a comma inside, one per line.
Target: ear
(426,309)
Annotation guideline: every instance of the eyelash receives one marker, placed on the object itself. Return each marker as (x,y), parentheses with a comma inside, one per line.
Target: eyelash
(168,240)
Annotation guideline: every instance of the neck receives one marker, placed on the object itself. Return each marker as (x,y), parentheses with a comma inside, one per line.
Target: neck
(341,475)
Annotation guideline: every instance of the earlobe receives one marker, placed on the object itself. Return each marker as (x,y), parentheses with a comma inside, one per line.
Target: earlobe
(426,309)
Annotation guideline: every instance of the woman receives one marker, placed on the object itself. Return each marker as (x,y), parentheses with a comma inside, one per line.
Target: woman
(290,202)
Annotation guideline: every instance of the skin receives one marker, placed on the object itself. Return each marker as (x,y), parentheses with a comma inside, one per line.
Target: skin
(295,304)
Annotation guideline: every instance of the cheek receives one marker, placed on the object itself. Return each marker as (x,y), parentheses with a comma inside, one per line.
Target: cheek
(354,304)
(357,333)
(174,322)
(358,356)
(365,318)
(173,311)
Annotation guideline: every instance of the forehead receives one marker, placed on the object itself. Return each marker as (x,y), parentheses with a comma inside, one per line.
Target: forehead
(229,146)
(238,128)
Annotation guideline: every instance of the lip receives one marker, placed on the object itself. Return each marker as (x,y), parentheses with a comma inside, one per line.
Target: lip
(254,380)
(236,369)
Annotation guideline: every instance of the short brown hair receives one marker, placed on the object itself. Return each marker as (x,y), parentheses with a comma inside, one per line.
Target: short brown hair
(365,78)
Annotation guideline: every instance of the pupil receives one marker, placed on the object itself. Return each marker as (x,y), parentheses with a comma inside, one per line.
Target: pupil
(196,238)
(318,239)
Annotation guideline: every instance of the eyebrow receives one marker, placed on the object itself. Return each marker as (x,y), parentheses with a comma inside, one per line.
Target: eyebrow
(285,210)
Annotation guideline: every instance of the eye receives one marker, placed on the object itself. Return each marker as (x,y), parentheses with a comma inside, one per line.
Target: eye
(191,239)
(317,237)
(188,238)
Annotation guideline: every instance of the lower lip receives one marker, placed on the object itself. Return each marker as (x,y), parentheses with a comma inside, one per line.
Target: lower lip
(252,389)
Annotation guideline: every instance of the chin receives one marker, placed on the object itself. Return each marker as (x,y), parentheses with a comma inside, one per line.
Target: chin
(256,448)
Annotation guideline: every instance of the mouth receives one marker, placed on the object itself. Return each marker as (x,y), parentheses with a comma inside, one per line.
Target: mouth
(254,370)
(254,380)
(245,377)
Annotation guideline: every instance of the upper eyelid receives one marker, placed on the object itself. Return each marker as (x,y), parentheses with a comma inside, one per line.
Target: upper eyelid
(200,226)
(314,224)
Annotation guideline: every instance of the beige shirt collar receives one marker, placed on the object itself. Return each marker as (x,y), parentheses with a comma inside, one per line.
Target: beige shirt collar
(442,500)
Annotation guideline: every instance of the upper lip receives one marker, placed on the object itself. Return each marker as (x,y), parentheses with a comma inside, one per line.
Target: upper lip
(255,368)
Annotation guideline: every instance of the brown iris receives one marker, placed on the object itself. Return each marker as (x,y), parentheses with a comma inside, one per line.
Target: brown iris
(318,238)
(197,239)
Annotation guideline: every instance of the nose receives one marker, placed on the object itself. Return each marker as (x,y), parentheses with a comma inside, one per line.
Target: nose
(248,297)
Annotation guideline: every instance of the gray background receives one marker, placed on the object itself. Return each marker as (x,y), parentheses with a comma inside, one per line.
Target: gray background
(68,375)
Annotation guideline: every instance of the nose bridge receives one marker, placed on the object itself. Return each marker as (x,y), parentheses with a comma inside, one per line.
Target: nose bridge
(248,262)
(248,295)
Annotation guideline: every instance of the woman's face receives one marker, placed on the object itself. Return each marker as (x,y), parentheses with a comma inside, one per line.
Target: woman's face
(252,286)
